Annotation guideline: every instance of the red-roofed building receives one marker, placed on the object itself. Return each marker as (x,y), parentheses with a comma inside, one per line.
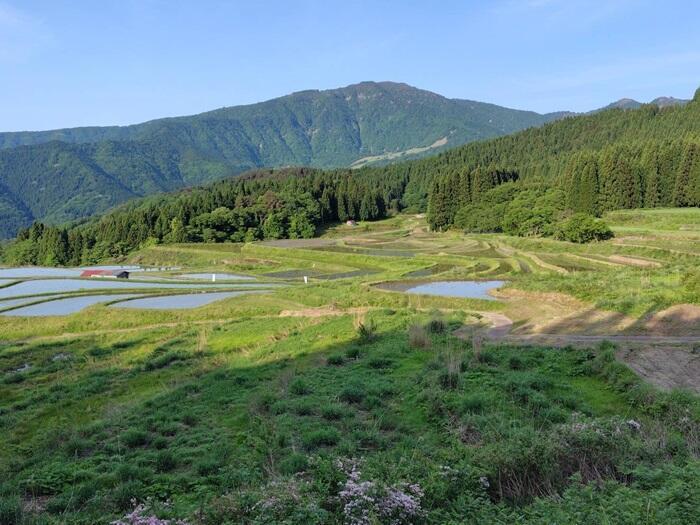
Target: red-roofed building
(114,274)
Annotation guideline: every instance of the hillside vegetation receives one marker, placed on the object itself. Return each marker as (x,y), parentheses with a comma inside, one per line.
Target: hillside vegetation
(525,184)
(62,175)
(337,402)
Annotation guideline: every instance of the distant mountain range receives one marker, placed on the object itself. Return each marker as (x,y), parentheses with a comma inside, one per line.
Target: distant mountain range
(628,103)
(65,174)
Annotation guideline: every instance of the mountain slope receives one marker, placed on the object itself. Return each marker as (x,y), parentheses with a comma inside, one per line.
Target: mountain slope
(66,174)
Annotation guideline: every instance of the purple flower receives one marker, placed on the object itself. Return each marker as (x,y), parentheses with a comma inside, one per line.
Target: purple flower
(138,516)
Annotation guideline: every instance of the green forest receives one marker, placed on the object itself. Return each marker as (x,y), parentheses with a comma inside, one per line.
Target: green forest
(529,184)
(63,175)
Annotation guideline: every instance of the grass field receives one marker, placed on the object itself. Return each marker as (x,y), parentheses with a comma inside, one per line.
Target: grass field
(338,402)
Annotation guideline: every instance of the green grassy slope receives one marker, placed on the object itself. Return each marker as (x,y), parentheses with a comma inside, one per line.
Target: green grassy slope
(274,408)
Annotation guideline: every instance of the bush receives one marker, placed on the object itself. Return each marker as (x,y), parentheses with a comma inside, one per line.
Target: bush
(474,404)
(366,330)
(418,336)
(165,461)
(379,362)
(352,353)
(449,376)
(11,511)
(436,326)
(335,360)
(582,228)
(332,412)
(299,387)
(323,437)
(294,463)
(133,438)
(353,394)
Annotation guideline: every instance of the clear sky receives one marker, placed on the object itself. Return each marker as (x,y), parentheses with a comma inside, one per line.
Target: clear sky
(67,63)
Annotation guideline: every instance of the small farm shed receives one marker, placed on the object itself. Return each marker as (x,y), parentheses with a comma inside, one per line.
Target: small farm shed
(114,274)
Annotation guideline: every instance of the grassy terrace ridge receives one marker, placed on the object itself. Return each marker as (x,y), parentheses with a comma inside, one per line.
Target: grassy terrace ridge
(299,405)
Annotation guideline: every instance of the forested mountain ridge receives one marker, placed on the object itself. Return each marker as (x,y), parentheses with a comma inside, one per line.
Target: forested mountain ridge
(66,174)
(629,103)
(523,184)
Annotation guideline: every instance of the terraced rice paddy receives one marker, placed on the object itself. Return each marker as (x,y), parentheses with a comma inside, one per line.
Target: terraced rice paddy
(243,406)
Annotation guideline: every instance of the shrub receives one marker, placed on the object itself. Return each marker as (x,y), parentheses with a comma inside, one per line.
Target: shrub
(125,494)
(77,446)
(366,330)
(332,412)
(335,360)
(583,228)
(299,387)
(207,466)
(165,461)
(515,363)
(353,393)
(134,437)
(449,376)
(436,326)
(304,408)
(322,437)
(353,353)
(11,511)
(161,360)
(189,419)
(379,362)
(294,463)
(474,404)
(418,336)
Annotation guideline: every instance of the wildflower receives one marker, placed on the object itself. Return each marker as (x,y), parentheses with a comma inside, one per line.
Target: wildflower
(139,516)
(634,425)
(366,502)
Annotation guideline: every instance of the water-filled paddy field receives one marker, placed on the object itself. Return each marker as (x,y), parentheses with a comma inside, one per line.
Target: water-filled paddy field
(37,291)
(464,289)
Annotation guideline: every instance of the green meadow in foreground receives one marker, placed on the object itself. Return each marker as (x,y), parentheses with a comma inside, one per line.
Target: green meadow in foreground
(337,402)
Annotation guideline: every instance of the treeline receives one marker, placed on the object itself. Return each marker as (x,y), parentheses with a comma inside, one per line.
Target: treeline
(290,203)
(626,175)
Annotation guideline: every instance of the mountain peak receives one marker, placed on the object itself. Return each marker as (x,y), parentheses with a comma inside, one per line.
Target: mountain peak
(624,103)
(664,102)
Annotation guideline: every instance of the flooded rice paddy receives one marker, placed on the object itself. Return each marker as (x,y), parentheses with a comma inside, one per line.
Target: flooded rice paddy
(464,289)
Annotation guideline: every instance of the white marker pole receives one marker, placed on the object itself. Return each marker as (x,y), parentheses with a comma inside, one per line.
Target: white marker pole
(306,279)
(213,277)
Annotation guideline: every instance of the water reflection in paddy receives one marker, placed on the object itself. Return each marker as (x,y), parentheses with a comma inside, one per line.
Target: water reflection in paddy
(178,302)
(73,285)
(219,276)
(468,289)
(65,306)
(465,289)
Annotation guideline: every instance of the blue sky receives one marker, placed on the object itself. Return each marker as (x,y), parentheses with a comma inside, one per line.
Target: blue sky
(82,62)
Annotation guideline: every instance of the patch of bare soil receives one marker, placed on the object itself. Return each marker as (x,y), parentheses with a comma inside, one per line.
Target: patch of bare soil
(324,311)
(679,320)
(634,261)
(660,348)
(537,312)
(664,367)
(498,327)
